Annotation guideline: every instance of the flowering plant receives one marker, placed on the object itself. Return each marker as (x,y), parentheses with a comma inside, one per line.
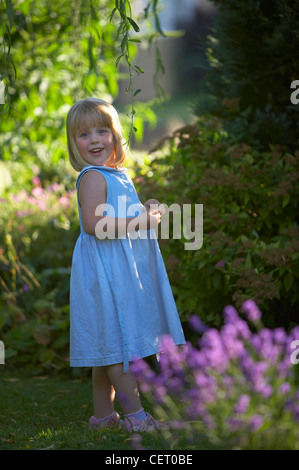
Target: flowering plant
(250,231)
(38,229)
(236,389)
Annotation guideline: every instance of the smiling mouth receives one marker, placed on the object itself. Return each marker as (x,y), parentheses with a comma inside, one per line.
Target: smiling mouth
(97,150)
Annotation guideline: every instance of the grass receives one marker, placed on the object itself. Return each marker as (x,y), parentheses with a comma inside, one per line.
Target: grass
(52,413)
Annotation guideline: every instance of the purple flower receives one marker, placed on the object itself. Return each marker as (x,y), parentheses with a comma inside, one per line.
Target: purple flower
(167,344)
(284,388)
(243,329)
(198,410)
(220,264)
(255,422)
(279,336)
(159,394)
(230,314)
(254,373)
(171,361)
(196,359)
(228,382)
(178,424)
(234,424)
(175,384)
(284,367)
(197,325)
(214,350)
(251,310)
(136,441)
(202,380)
(294,333)
(242,404)
(141,370)
(233,346)
(265,389)
(295,411)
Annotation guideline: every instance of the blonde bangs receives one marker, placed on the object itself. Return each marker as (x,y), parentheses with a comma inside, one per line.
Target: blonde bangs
(89,115)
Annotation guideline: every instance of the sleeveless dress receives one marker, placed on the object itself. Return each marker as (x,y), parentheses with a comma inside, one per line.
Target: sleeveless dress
(121,303)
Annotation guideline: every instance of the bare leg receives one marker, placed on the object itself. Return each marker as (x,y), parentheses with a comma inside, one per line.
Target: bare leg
(103,392)
(126,388)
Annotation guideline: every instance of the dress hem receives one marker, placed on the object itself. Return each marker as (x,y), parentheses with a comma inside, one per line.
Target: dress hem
(98,362)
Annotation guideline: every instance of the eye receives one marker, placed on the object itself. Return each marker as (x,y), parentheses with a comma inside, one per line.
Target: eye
(102,131)
(84,134)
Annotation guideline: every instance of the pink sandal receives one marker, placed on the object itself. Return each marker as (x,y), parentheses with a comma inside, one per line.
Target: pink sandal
(147,424)
(95,423)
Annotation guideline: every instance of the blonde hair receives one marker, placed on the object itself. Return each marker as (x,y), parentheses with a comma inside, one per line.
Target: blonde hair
(95,112)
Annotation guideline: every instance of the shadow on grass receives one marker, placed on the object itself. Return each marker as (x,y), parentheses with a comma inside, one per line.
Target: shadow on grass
(47,413)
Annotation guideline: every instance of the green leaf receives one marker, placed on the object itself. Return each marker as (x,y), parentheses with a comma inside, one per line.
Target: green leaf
(9,12)
(124,43)
(158,26)
(287,282)
(135,25)
(137,91)
(118,59)
(8,59)
(246,197)
(122,5)
(112,14)
(248,261)
(285,200)
(138,69)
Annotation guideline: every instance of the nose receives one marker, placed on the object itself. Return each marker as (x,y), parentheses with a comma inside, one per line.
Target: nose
(94,137)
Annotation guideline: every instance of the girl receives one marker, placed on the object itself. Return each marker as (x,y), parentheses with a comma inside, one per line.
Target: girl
(121,302)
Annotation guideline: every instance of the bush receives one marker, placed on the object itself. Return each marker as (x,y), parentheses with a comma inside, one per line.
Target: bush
(250,222)
(236,390)
(251,52)
(38,231)
(250,246)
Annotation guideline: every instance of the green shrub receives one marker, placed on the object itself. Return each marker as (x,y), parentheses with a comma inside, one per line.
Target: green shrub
(250,242)
(252,55)
(38,231)
(250,222)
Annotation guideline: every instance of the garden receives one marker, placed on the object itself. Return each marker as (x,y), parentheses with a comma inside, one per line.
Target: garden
(235,384)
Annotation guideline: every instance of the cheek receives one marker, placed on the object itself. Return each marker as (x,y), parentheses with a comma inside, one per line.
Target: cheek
(109,139)
(80,144)
(111,143)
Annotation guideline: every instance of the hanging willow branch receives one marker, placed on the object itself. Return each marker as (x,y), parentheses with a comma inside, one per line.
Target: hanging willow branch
(7,67)
(125,37)
(127,26)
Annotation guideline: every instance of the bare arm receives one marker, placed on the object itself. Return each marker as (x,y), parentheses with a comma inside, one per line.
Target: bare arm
(92,198)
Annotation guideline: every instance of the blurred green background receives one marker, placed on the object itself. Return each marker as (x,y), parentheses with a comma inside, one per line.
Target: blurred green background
(215,126)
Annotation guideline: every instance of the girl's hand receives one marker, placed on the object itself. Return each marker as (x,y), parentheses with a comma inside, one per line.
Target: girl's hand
(148,220)
(156,206)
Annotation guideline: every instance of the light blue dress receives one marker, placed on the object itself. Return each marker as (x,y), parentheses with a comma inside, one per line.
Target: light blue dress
(121,303)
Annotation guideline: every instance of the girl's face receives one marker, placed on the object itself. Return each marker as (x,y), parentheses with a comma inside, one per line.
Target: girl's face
(95,144)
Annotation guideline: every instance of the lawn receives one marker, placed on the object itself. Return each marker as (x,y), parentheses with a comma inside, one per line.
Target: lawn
(52,413)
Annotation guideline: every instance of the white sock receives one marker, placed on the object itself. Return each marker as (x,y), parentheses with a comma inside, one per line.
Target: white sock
(138,415)
(102,420)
